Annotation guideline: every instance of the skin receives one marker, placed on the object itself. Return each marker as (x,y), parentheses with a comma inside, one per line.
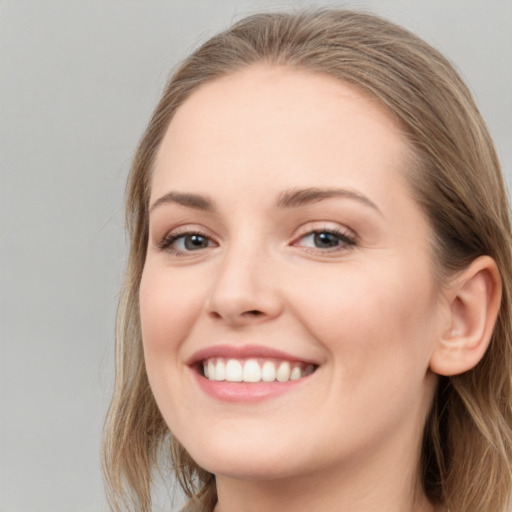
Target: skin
(369,312)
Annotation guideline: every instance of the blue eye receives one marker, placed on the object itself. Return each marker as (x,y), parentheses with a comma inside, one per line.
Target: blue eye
(194,242)
(185,242)
(326,239)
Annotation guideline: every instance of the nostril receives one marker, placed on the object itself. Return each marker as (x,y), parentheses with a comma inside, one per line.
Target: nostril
(246,314)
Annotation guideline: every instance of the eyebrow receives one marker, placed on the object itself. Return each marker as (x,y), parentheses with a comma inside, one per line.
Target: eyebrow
(300,197)
(195,201)
(289,199)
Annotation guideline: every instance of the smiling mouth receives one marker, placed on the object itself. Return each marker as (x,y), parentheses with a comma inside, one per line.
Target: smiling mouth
(254,370)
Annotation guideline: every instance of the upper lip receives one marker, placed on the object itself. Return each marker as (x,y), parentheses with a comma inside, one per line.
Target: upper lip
(244,352)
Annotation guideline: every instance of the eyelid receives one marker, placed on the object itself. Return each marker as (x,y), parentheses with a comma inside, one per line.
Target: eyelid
(165,242)
(348,238)
(321,226)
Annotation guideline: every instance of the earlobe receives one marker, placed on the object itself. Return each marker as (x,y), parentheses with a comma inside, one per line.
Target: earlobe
(474,299)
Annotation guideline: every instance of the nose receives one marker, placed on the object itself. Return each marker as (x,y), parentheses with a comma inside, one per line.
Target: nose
(244,289)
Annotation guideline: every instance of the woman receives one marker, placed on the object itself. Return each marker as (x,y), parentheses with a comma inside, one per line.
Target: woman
(317,301)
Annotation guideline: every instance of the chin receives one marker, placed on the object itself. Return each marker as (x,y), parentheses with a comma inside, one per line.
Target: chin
(241,468)
(244,458)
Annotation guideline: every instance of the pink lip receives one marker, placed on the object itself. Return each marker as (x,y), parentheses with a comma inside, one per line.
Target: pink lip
(239,392)
(243,352)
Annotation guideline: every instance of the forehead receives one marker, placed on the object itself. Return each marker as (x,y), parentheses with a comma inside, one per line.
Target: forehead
(279,124)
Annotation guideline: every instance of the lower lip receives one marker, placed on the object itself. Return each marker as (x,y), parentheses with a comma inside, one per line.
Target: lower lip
(246,392)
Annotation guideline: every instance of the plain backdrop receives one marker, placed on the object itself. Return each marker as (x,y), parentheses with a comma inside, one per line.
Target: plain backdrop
(78,81)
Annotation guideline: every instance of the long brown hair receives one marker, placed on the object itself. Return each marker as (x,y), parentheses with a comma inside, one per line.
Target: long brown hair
(467,449)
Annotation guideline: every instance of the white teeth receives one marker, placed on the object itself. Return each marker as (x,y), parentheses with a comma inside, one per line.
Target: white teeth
(295,373)
(283,372)
(211,369)
(254,370)
(234,372)
(220,370)
(268,372)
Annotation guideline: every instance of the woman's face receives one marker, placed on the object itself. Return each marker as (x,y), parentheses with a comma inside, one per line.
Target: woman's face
(286,251)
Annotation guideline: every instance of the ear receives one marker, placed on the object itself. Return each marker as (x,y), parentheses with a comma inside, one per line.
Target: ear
(473,299)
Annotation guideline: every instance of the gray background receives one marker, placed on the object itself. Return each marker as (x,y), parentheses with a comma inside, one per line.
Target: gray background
(78,81)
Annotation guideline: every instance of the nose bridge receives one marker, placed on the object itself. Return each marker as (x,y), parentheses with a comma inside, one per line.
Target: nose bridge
(244,288)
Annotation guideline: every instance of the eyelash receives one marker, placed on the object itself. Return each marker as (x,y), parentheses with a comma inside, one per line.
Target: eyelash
(346,240)
(174,236)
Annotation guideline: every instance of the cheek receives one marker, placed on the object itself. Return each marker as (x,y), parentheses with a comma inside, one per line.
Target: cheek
(377,328)
(169,305)
(370,318)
